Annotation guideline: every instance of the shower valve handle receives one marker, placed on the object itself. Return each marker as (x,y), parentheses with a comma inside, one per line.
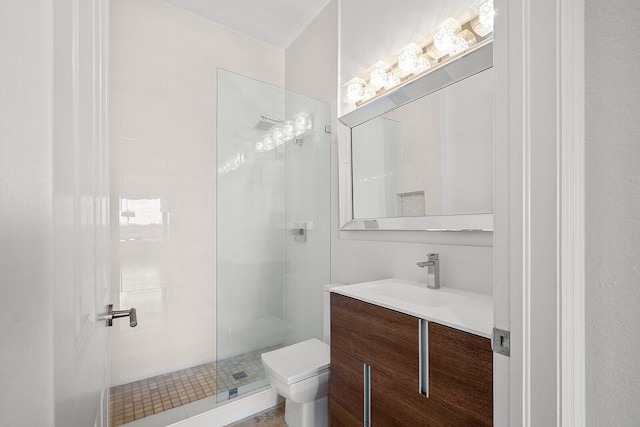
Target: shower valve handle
(116,314)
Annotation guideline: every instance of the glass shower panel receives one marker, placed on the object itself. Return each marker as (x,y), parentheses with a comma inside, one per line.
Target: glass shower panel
(307,206)
(272,225)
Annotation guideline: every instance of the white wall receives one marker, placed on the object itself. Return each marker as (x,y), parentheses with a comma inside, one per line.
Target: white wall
(612,206)
(369,31)
(26,141)
(310,70)
(163,132)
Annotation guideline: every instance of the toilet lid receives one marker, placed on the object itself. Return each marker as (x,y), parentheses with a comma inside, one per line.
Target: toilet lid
(297,362)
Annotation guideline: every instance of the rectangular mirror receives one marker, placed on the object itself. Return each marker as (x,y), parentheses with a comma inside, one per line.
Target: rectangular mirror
(421,156)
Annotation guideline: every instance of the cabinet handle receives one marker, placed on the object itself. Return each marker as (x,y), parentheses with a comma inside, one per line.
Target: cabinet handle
(423,357)
(367,395)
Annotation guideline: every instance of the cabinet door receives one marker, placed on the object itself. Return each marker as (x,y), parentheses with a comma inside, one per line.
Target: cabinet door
(340,417)
(461,373)
(393,405)
(383,338)
(346,384)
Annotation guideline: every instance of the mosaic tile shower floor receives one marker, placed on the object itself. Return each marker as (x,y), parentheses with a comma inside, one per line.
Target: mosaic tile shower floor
(130,402)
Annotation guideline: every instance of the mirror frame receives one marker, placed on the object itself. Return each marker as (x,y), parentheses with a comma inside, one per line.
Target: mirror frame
(476,60)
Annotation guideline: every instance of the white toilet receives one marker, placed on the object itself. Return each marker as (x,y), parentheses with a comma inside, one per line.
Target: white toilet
(300,374)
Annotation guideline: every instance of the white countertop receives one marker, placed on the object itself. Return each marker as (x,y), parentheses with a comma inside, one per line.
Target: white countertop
(463,310)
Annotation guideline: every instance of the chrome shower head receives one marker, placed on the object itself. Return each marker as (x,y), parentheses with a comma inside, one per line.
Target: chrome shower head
(265,123)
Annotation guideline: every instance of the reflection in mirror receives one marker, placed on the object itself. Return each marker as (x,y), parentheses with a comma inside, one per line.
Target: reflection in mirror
(421,156)
(432,156)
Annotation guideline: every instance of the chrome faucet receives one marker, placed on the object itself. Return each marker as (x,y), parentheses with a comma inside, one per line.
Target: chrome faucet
(433,264)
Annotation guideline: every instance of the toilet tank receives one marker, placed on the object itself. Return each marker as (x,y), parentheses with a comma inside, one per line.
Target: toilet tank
(326,328)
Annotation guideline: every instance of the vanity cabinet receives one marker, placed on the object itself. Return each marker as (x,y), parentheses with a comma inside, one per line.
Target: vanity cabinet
(376,358)
(461,373)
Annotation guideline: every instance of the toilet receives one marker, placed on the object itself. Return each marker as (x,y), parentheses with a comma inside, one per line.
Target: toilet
(300,374)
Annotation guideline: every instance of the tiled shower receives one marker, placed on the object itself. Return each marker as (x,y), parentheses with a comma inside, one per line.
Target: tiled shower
(206,256)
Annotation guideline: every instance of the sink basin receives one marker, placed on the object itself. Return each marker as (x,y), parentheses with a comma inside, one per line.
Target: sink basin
(460,309)
(414,294)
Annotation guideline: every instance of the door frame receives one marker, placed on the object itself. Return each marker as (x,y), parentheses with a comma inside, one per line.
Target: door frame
(539,212)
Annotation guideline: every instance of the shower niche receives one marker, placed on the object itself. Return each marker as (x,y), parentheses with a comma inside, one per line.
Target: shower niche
(273,225)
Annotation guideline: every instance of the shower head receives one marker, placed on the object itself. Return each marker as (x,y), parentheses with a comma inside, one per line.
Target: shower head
(265,123)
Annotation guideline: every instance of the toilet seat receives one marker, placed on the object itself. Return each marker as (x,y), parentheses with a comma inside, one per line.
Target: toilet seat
(297,362)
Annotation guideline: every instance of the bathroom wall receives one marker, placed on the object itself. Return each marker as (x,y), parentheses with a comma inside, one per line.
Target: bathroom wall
(27,368)
(369,31)
(164,65)
(612,206)
(310,70)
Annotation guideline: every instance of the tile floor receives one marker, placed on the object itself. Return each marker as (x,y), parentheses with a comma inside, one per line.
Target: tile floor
(130,402)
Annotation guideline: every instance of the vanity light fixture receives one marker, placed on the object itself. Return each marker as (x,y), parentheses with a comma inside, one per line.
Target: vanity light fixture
(409,58)
(269,143)
(465,39)
(393,80)
(354,90)
(378,74)
(287,131)
(277,135)
(450,38)
(483,24)
(302,123)
(445,38)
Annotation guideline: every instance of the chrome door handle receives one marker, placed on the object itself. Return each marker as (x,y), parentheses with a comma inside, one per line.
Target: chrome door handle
(116,314)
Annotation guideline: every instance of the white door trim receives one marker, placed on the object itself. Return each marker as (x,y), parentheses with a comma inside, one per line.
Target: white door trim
(539,212)
(572,212)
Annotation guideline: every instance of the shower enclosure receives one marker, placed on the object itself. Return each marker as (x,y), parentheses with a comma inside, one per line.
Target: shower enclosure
(273,225)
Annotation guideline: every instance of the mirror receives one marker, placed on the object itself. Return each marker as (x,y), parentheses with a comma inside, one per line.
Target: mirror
(421,157)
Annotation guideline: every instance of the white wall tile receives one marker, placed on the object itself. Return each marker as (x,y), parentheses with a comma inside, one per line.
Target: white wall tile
(163,97)
(307,265)
(146,114)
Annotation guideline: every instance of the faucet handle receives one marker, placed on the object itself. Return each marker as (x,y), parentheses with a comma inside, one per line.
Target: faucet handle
(432,257)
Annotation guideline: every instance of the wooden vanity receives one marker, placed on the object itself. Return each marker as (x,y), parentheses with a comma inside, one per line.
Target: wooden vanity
(393,369)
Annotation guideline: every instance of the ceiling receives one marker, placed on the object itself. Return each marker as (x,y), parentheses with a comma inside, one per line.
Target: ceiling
(276,22)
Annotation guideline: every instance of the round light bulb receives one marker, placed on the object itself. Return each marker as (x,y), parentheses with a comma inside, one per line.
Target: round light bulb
(483,23)
(486,13)
(378,74)
(445,37)
(465,40)
(288,131)
(424,64)
(260,147)
(354,89)
(302,123)
(278,137)
(369,93)
(408,58)
(269,143)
